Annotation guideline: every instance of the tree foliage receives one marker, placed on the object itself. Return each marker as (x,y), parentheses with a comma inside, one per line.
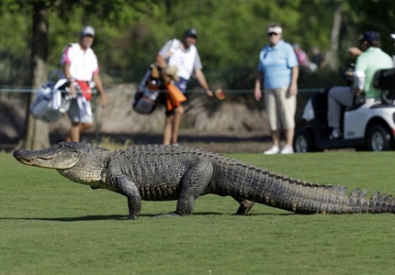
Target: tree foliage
(231,32)
(376,15)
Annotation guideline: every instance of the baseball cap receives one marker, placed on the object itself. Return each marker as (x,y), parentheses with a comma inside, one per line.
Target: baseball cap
(276,30)
(370,37)
(190,33)
(87,30)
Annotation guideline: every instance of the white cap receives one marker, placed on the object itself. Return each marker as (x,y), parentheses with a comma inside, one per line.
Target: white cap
(393,35)
(87,30)
(277,30)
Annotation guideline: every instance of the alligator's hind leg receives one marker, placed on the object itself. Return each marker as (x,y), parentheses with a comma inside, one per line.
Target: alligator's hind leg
(193,184)
(245,207)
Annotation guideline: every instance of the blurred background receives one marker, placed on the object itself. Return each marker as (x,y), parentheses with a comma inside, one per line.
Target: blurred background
(129,33)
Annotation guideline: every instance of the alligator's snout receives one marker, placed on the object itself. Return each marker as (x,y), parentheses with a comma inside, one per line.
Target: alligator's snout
(19,153)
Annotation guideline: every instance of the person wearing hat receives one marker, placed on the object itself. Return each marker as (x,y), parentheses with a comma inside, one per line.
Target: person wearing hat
(279,70)
(355,51)
(368,62)
(184,56)
(80,66)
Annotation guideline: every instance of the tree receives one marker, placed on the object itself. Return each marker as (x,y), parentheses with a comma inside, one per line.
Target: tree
(335,36)
(36,136)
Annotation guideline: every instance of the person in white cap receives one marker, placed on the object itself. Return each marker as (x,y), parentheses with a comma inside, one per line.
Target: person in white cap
(279,70)
(80,66)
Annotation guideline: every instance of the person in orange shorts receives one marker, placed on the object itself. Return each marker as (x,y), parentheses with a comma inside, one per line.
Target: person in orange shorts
(184,56)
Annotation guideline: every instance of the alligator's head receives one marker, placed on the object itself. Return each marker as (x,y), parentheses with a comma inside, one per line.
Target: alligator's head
(77,161)
(62,156)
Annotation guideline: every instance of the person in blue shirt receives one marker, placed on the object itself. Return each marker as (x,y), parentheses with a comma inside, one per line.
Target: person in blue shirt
(278,70)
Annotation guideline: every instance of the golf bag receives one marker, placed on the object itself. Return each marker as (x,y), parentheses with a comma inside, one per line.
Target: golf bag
(51,101)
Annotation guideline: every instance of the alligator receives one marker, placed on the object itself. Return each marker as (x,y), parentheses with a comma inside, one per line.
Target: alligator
(170,172)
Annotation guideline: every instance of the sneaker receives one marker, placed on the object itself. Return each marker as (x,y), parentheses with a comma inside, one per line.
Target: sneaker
(336,134)
(287,150)
(273,150)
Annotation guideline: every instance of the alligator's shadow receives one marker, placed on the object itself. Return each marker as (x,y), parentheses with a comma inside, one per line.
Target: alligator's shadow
(124,217)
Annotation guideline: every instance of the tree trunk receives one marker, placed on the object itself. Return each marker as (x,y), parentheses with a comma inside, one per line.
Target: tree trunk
(332,55)
(36,131)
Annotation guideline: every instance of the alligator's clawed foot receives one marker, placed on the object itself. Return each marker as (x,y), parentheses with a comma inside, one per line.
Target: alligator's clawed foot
(126,218)
(132,217)
(245,207)
(167,215)
(240,213)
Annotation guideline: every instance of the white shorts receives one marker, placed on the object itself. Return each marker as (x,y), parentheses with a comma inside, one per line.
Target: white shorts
(80,112)
(280,108)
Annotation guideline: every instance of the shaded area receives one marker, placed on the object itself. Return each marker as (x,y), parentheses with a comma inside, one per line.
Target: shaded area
(12,125)
(124,217)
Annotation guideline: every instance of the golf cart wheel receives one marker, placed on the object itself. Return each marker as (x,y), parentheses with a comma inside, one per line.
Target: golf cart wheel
(379,139)
(303,141)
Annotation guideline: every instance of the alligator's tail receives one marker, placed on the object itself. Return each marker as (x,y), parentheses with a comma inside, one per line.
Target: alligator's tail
(248,184)
(309,198)
(303,197)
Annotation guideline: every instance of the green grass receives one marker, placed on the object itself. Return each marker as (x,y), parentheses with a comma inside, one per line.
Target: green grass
(50,225)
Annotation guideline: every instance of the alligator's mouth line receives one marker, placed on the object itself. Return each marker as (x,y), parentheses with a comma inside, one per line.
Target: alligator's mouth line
(34,161)
(37,157)
(46,158)
(39,161)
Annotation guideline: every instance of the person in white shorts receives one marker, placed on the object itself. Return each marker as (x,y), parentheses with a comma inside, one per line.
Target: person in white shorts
(80,66)
(279,70)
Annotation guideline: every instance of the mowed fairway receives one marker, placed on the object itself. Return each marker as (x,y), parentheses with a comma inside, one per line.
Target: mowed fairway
(50,225)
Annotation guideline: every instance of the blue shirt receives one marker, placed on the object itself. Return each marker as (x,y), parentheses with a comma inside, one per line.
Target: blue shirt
(276,63)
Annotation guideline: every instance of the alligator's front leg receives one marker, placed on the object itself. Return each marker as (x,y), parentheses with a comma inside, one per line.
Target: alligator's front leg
(130,190)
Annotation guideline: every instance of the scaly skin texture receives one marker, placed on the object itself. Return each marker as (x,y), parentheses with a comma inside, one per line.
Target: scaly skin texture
(158,173)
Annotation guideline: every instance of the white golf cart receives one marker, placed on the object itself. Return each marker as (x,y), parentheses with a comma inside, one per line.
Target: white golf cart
(367,125)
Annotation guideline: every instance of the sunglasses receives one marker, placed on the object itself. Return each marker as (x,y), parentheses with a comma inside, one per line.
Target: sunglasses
(272,33)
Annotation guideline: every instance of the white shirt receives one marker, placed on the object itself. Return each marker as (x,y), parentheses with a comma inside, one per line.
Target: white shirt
(185,60)
(83,64)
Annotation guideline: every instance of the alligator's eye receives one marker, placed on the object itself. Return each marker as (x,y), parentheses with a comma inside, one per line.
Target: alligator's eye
(61,144)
